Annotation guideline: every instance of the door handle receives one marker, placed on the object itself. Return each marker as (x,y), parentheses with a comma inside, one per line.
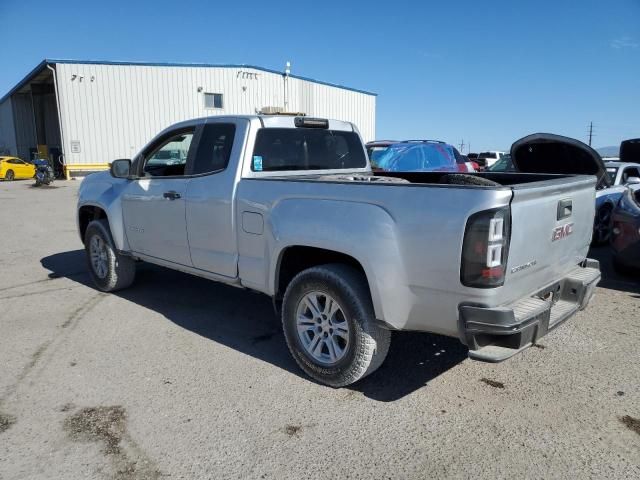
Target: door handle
(171,195)
(565,208)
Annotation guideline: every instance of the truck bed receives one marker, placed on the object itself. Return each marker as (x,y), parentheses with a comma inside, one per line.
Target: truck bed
(406,229)
(431,179)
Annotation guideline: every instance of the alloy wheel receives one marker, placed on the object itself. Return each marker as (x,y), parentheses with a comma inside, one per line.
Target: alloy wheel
(322,328)
(99,256)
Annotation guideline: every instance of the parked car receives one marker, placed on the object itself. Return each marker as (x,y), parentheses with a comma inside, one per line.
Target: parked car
(621,174)
(289,206)
(486,159)
(625,235)
(471,165)
(416,156)
(14,168)
(503,165)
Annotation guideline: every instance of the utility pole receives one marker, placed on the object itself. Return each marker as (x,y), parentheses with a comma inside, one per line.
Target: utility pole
(590,132)
(462,145)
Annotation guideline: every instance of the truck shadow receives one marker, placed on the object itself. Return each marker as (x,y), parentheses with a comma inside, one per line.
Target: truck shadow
(245,321)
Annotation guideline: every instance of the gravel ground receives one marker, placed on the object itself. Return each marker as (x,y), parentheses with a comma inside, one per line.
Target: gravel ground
(179,377)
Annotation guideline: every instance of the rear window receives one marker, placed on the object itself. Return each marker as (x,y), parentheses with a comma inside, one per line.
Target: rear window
(488,155)
(280,149)
(612,171)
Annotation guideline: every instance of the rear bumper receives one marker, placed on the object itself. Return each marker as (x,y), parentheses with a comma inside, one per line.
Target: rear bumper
(497,333)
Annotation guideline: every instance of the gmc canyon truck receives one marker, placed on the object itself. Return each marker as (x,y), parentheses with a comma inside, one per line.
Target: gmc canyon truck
(288,206)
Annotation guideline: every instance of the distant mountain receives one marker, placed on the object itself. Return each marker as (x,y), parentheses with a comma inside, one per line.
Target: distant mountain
(609,151)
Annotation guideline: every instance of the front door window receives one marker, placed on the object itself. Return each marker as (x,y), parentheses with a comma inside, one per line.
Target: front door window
(170,158)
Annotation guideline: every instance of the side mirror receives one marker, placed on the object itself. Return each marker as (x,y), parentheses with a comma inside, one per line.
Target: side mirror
(633,181)
(120,168)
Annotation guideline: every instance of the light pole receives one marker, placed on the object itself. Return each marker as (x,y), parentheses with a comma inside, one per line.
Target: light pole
(287,72)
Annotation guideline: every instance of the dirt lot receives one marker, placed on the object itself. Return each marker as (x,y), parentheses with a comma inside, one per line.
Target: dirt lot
(178,377)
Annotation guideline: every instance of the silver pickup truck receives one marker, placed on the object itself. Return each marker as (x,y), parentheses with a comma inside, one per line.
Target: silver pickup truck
(288,206)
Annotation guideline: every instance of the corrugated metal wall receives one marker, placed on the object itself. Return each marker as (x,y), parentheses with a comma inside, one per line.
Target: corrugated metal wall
(7,129)
(111,111)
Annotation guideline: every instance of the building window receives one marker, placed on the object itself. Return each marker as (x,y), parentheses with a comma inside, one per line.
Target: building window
(213,100)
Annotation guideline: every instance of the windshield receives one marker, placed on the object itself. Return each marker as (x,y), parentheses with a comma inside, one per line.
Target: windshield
(502,165)
(408,157)
(279,149)
(612,172)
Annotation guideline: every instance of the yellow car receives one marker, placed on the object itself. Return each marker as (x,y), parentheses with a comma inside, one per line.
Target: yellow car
(12,168)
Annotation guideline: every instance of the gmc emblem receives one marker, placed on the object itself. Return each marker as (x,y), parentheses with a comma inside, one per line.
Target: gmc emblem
(561,232)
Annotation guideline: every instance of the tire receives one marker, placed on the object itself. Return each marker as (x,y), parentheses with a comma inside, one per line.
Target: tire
(365,344)
(119,270)
(464,179)
(602,225)
(9,176)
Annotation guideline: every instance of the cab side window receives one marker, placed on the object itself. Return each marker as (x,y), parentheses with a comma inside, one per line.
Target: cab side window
(214,148)
(169,158)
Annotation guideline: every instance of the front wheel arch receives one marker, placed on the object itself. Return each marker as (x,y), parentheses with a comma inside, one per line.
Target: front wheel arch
(86,214)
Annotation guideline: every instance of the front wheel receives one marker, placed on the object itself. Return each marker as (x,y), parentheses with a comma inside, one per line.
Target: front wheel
(329,325)
(110,271)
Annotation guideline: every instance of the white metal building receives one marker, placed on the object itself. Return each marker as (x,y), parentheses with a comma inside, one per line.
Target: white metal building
(83,114)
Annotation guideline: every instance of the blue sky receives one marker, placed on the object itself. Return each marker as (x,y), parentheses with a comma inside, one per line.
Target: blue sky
(486,72)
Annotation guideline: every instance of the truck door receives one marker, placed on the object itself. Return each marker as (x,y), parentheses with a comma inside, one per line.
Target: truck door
(153,205)
(210,196)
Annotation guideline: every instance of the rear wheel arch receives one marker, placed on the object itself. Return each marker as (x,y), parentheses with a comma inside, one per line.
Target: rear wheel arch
(297,258)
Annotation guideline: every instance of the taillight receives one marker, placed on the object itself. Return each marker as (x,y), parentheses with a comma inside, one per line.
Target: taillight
(462,168)
(485,248)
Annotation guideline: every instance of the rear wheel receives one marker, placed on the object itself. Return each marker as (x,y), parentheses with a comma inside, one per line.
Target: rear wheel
(9,176)
(109,270)
(602,225)
(330,327)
